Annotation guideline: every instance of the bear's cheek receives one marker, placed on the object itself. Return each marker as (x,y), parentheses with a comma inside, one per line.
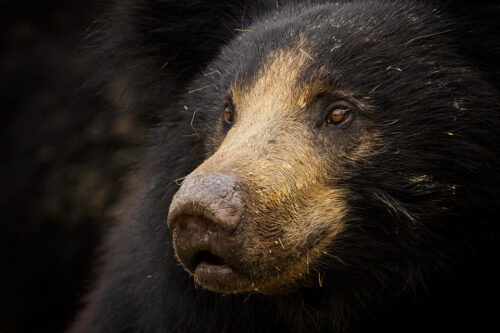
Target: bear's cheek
(282,247)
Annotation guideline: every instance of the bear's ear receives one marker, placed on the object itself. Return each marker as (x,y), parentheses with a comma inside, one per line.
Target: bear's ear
(145,52)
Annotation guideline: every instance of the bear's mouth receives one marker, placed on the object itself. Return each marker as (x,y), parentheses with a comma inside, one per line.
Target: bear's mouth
(214,273)
(207,258)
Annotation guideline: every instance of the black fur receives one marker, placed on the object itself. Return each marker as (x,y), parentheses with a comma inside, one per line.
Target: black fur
(421,249)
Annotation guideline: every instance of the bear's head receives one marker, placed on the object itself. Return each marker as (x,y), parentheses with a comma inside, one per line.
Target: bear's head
(341,148)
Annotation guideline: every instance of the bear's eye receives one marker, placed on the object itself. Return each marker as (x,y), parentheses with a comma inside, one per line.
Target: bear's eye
(338,115)
(228,114)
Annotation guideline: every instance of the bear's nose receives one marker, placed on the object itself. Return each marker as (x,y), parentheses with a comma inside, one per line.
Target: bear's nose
(203,217)
(207,203)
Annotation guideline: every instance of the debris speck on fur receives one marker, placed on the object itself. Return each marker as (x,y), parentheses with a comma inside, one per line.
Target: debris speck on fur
(195,90)
(192,124)
(307,54)
(179,181)
(212,72)
(279,239)
(320,280)
(426,36)
(302,102)
(394,68)
(453,189)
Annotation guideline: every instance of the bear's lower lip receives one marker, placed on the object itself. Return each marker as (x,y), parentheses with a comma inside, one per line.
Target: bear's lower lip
(213,273)
(218,278)
(208,270)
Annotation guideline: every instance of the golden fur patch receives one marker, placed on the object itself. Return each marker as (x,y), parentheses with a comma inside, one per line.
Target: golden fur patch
(276,88)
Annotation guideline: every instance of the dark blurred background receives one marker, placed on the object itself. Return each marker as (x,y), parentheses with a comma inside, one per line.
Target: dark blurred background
(65,152)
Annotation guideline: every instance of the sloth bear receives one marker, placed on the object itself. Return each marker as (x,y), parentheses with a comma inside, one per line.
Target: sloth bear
(314,166)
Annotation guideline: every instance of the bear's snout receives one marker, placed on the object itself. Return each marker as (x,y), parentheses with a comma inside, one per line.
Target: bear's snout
(204,215)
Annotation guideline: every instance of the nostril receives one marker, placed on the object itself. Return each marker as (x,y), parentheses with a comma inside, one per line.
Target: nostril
(194,223)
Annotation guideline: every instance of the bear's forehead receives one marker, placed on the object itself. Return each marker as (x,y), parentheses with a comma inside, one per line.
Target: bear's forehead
(294,60)
(279,82)
(329,35)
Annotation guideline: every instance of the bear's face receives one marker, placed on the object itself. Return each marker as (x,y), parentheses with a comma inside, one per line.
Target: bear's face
(314,118)
(286,143)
